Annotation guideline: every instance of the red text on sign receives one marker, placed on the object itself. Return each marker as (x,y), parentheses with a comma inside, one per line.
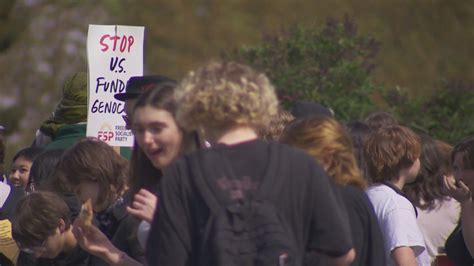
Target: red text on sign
(118,43)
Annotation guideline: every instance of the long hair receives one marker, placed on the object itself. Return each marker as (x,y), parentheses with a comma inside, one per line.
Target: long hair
(360,132)
(142,172)
(435,163)
(327,141)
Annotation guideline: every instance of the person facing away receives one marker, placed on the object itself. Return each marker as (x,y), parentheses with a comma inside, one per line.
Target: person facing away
(392,155)
(438,214)
(328,142)
(238,176)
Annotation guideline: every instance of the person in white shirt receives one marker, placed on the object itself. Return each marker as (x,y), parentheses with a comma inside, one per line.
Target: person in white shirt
(392,155)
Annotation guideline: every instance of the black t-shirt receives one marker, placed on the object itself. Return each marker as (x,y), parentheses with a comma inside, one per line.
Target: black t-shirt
(456,249)
(307,200)
(366,233)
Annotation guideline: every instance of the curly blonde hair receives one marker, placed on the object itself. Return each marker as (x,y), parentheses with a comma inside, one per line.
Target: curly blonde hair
(327,141)
(219,96)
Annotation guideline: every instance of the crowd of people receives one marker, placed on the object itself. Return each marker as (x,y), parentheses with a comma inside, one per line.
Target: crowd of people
(221,174)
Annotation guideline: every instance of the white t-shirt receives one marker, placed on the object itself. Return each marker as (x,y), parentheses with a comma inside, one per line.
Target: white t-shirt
(142,233)
(397,220)
(438,223)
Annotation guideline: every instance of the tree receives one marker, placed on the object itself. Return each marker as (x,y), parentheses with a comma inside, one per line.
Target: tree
(329,64)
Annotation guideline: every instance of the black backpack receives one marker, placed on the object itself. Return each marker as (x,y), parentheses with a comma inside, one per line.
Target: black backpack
(245,230)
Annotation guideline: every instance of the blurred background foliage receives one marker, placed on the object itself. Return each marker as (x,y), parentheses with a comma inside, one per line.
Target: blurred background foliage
(409,57)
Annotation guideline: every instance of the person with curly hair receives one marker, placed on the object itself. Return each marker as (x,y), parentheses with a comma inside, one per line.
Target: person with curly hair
(229,102)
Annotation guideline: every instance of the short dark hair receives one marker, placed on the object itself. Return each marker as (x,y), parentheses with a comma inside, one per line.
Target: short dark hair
(389,150)
(43,168)
(37,216)
(29,153)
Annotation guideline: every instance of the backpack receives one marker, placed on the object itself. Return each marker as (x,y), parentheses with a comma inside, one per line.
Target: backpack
(244,230)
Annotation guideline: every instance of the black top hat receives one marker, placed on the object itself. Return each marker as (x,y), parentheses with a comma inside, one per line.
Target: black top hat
(139,84)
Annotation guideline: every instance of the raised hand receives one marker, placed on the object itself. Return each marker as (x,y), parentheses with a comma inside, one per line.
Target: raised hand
(457,190)
(143,205)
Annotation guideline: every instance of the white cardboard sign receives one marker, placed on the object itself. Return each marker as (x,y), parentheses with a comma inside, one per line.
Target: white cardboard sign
(114,54)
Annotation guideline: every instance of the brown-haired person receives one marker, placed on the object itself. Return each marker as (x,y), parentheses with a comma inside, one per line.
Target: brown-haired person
(93,170)
(159,141)
(460,244)
(229,102)
(42,226)
(326,140)
(438,214)
(392,155)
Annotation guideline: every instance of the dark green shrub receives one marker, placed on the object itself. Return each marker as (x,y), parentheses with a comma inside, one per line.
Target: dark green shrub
(329,64)
(448,114)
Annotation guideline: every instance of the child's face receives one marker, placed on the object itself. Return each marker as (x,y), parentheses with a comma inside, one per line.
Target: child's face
(20,172)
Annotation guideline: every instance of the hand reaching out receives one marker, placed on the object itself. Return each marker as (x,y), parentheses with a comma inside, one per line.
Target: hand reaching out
(143,205)
(91,239)
(457,190)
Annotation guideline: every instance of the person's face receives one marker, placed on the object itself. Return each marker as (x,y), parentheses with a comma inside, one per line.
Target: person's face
(90,190)
(129,104)
(20,172)
(157,134)
(50,248)
(413,171)
(461,173)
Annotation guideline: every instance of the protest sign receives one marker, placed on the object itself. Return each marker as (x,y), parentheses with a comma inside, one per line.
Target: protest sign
(114,53)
